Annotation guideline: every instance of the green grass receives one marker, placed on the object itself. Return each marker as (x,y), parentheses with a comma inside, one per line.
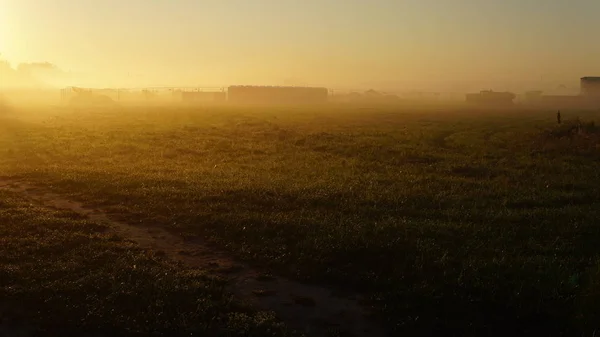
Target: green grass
(62,275)
(455,222)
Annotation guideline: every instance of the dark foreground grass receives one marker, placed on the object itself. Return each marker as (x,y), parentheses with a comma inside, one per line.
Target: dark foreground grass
(63,276)
(457,223)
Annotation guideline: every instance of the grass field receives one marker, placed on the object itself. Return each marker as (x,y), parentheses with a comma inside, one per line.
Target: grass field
(453,221)
(64,276)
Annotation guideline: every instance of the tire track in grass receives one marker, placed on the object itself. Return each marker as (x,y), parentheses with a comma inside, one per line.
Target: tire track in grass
(314,310)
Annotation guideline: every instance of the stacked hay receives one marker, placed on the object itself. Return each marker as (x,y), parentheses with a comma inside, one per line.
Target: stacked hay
(85,97)
(266,94)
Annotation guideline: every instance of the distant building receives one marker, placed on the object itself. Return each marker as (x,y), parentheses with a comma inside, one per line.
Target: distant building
(276,95)
(488,97)
(373,93)
(590,86)
(533,97)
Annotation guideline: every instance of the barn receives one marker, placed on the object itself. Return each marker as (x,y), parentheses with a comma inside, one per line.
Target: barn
(590,86)
(276,95)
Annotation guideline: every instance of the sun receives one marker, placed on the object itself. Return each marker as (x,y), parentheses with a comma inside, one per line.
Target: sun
(5,36)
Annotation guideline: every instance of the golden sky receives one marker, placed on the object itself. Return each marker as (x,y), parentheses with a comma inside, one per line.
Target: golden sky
(336,43)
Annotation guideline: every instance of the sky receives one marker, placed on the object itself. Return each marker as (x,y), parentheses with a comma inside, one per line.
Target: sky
(387,44)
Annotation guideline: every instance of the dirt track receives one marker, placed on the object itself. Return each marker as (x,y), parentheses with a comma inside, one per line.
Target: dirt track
(311,309)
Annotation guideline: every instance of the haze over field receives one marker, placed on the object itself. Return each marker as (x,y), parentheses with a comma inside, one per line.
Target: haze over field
(458,45)
(160,177)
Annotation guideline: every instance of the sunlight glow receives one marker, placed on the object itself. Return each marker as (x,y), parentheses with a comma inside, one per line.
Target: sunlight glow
(4,30)
(455,46)
(3,37)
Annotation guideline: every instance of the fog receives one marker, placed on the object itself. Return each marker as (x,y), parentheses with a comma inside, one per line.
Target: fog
(46,75)
(416,50)
(392,46)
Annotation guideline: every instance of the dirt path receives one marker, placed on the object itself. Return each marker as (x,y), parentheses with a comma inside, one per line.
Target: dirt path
(312,309)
